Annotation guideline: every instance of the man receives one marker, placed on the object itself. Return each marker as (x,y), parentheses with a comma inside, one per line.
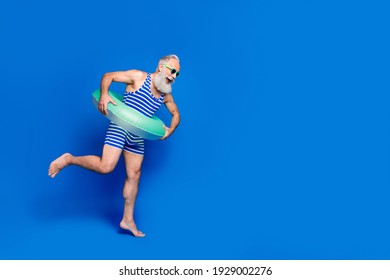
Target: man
(145,92)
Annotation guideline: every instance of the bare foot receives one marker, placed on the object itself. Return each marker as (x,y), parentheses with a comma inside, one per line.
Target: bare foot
(132,228)
(57,165)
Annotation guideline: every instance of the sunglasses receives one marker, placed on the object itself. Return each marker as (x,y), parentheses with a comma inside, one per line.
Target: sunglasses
(173,70)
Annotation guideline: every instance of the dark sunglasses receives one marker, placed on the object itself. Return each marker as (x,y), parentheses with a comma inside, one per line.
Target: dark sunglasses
(173,70)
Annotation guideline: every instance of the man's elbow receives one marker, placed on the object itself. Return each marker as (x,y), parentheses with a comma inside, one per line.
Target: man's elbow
(107,76)
(176,116)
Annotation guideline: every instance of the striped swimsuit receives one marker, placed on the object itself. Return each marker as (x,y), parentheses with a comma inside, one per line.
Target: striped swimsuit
(144,102)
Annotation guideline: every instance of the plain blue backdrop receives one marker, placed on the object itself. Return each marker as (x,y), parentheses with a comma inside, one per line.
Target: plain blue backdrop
(282,151)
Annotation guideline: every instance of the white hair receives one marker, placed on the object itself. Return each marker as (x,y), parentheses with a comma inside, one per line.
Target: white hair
(167,58)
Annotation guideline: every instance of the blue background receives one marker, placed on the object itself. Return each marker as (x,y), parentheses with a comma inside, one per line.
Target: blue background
(282,152)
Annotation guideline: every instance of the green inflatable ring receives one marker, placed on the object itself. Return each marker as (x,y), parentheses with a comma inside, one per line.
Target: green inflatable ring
(130,119)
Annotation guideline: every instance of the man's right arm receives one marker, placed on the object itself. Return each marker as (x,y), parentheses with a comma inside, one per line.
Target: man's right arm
(126,77)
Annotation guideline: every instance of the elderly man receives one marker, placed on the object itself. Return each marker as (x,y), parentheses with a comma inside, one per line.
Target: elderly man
(145,93)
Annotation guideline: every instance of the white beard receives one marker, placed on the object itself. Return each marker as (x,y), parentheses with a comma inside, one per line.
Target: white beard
(160,82)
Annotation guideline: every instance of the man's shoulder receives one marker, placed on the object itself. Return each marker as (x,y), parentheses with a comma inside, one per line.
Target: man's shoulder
(168,98)
(137,75)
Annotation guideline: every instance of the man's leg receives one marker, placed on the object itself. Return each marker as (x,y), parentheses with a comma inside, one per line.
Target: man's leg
(133,172)
(104,164)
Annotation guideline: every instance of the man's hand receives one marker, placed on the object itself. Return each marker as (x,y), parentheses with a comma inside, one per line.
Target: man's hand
(168,132)
(103,103)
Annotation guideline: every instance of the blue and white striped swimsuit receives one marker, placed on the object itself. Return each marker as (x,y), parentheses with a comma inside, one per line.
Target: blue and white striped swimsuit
(144,102)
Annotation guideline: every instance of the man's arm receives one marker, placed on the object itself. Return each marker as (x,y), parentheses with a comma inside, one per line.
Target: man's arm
(172,108)
(127,77)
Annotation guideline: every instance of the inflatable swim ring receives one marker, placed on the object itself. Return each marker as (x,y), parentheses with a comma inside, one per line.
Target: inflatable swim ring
(130,119)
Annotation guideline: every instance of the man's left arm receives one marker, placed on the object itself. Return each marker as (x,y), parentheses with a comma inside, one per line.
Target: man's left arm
(172,108)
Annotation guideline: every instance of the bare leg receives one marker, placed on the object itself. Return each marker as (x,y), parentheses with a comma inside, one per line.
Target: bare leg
(104,164)
(130,189)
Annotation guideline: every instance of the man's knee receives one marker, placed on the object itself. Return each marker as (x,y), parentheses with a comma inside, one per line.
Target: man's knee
(106,168)
(133,175)
(131,184)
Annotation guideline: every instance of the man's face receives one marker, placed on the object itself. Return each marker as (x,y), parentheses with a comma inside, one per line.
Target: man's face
(167,75)
(172,68)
